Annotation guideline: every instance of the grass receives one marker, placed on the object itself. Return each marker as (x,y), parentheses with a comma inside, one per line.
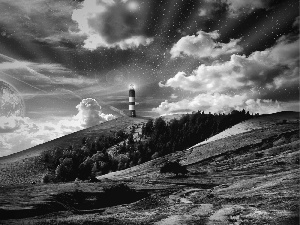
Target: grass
(240,172)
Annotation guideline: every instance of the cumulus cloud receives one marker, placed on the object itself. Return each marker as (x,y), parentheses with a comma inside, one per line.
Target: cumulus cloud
(19,133)
(273,68)
(219,103)
(89,113)
(204,45)
(110,24)
(234,84)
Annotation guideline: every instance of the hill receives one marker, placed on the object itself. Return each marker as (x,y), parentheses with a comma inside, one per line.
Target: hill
(244,176)
(21,167)
(254,132)
(264,121)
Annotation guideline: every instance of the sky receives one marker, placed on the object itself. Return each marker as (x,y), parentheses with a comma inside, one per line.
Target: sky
(71,61)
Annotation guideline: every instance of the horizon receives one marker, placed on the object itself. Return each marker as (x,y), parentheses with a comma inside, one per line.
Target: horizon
(138,117)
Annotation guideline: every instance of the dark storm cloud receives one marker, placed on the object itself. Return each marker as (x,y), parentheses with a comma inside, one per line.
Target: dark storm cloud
(110,24)
(116,24)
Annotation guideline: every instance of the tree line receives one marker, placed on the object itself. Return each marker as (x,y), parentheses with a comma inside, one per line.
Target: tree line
(157,138)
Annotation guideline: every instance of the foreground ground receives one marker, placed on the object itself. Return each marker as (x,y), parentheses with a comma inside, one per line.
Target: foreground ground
(251,177)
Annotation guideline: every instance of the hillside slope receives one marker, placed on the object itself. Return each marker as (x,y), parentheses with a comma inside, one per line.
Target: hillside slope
(250,177)
(264,121)
(22,167)
(252,132)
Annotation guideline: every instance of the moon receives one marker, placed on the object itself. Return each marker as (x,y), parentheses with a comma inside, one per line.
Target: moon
(11,102)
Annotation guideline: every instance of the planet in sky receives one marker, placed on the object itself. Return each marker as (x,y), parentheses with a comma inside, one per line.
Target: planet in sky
(11,102)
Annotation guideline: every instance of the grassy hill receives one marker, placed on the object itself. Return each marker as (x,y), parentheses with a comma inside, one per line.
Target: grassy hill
(248,174)
(21,167)
(263,129)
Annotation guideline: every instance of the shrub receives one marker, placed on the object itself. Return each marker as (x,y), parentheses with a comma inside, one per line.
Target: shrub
(47,178)
(117,189)
(119,194)
(174,167)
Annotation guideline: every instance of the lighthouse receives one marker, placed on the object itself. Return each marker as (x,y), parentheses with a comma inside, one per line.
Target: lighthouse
(132,101)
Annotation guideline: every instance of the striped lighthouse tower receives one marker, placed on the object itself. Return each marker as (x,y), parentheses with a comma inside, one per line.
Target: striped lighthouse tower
(132,101)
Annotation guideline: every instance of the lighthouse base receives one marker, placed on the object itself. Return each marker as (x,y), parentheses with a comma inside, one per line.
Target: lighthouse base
(132,113)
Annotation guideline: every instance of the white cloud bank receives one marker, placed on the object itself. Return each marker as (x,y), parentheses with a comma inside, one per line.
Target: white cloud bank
(220,103)
(204,45)
(110,24)
(19,133)
(272,68)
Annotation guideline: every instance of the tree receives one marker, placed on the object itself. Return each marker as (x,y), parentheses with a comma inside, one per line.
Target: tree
(148,128)
(95,169)
(174,167)
(64,171)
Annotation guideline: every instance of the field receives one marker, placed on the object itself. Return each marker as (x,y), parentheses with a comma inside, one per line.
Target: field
(247,175)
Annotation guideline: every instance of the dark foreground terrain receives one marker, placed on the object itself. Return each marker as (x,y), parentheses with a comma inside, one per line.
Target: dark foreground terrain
(251,177)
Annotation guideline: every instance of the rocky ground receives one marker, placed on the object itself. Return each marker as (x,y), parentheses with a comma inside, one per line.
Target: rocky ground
(251,177)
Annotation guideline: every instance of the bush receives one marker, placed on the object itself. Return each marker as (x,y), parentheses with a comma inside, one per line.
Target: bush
(47,178)
(174,167)
(119,189)
(120,194)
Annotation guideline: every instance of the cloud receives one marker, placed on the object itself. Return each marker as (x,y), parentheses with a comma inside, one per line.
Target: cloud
(207,102)
(49,73)
(203,12)
(110,24)
(204,45)
(173,96)
(23,19)
(9,123)
(19,133)
(26,134)
(244,82)
(273,68)
(220,103)
(297,21)
(89,113)
(263,106)
(238,7)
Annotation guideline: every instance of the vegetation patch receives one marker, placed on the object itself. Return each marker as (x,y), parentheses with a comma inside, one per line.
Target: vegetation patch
(156,138)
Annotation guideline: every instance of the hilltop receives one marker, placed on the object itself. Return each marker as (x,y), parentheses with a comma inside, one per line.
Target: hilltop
(247,174)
